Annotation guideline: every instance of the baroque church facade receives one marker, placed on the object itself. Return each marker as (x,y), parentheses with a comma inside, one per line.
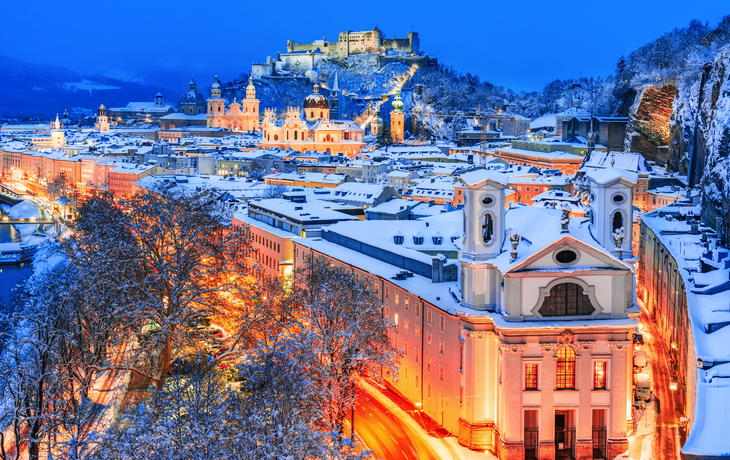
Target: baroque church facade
(239,116)
(312,128)
(526,350)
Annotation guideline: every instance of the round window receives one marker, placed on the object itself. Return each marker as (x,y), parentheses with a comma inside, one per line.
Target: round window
(566,256)
(487,200)
(593,197)
(618,198)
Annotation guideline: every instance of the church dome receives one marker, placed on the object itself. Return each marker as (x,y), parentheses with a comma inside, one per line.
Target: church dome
(250,86)
(316,100)
(378,121)
(397,102)
(216,83)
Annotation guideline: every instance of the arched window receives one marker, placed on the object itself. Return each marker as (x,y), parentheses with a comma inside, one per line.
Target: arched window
(487,228)
(566,299)
(565,374)
(311,114)
(618,220)
(276,137)
(321,114)
(287,135)
(295,135)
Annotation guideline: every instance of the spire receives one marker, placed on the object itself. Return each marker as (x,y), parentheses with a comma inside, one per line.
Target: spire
(336,86)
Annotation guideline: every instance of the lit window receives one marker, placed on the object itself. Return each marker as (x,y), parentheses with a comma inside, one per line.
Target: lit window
(405,304)
(418,310)
(566,299)
(566,368)
(396,319)
(418,331)
(387,292)
(531,376)
(428,339)
(397,297)
(599,375)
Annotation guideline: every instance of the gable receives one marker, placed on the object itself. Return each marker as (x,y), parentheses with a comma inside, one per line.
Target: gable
(587,257)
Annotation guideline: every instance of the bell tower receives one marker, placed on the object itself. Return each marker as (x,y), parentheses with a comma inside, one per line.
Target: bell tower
(58,137)
(484,234)
(611,198)
(397,119)
(102,120)
(216,105)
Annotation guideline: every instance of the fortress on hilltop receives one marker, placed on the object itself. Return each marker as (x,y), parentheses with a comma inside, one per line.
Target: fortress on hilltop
(367,41)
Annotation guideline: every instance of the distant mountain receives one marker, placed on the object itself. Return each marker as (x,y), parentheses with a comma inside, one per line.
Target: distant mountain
(38,90)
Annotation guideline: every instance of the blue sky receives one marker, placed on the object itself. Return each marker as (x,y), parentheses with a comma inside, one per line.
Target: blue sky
(519,44)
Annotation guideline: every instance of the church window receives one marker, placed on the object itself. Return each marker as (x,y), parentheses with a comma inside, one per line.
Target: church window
(287,135)
(531,376)
(487,228)
(311,114)
(295,135)
(566,299)
(599,375)
(486,201)
(618,220)
(276,137)
(321,114)
(565,368)
(566,256)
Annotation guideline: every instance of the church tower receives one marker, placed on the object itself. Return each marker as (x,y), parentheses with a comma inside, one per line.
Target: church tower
(250,107)
(58,136)
(216,105)
(611,199)
(335,100)
(397,119)
(102,120)
(484,235)
(158,99)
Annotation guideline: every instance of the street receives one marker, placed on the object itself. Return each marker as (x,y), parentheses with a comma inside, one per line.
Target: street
(658,422)
(383,433)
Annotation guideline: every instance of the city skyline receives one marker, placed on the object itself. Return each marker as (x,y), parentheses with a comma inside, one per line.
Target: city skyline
(124,44)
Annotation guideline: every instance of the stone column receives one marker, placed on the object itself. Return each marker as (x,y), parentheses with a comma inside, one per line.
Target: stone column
(584,413)
(511,429)
(547,411)
(619,414)
(475,426)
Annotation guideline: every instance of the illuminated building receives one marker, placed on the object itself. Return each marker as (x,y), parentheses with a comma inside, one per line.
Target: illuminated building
(240,116)
(522,345)
(312,130)
(102,121)
(397,119)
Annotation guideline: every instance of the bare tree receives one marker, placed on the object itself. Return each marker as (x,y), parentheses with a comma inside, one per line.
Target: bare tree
(273,191)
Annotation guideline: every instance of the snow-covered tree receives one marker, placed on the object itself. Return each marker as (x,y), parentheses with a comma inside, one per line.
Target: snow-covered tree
(344,334)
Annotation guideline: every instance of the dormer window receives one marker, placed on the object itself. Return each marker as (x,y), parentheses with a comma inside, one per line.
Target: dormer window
(437,240)
(418,240)
(398,239)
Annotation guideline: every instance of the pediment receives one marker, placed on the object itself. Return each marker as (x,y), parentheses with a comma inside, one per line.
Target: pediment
(587,257)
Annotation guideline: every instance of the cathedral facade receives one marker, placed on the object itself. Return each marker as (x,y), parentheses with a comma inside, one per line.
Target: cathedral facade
(239,116)
(311,129)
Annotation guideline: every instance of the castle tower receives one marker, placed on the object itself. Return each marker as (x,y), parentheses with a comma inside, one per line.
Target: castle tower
(611,198)
(397,119)
(316,106)
(216,105)
(102,120)
(484,234)
(58,136)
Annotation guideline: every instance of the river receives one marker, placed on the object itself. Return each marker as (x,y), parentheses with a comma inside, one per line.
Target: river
(11,274)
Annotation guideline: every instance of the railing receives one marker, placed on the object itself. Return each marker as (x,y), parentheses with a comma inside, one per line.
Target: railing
(532,442)
(599,443)
(565,444)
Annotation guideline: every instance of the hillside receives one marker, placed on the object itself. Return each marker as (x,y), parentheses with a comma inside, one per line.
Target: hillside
(36,90)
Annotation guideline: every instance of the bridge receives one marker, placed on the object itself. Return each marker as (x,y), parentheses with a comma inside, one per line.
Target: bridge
(27,220)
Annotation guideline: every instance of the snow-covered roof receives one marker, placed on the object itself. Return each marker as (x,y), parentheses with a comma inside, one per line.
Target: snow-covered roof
(480,176)
(608,176)
(629,161)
